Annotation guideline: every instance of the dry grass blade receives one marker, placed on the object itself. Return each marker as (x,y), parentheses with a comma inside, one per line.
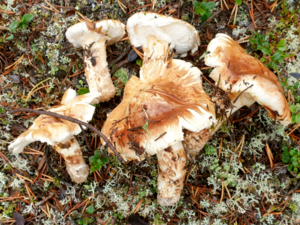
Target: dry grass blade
(51,6)
(15,63)
(34,89)
(122,6)
(270,155)
(138,52)
(136,209)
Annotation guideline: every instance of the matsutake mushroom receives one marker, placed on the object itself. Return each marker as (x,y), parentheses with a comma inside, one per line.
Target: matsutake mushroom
(93,37)
(168,98)
(60,133)
(245,78)
(159,35)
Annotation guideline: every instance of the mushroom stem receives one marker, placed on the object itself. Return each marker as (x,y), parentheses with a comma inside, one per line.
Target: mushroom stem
(171,173)
(76,166)
(155,49)
(97,72)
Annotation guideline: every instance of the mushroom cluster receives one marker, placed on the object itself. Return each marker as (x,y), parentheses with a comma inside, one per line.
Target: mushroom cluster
(166,99)
(164,112)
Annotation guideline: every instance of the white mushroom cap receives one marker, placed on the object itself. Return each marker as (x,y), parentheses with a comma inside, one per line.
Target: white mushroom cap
(181,35)
(80,35)
(247,78)
(52,130)
(170,94)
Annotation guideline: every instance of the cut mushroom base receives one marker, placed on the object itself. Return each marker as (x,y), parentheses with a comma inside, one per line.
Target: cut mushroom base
(171,174)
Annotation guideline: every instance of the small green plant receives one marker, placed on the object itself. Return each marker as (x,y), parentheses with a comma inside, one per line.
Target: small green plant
(22,23)
(121,76)
(292,158)
(239,2)
(139,62)
(204,9)
(82,91)
(96,162)
(84,221)
(294,108)
(118,215)
(273,54)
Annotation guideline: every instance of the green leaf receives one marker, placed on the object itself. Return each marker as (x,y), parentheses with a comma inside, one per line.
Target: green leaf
(10,37)
(283,48)
(205,16)
(27,18)
(97,154)
(294,159)
(297,118)
(276,56)
(293,108)
(82,91)
(13,26)
(285,148)
(1,110)
(295,164)
(290,167)
(266,51)
(286,159)
(239,2)
(99,162)
(292,152)
(298,154)
(281,43)
(209,5)
(90,220)
(90,209)
(92,159)
(293,118)
(139,62)
(295,170)
(285,154)
(105,160)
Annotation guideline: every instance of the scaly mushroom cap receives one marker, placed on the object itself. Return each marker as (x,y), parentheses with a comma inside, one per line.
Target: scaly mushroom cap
(246,78)
(53,130)
(171,96)
(85,33)
(181,35)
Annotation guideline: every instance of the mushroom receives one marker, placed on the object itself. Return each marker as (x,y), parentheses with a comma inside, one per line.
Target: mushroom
(157,34)
(168,98)
(60,133)
(93,37)
(246,78)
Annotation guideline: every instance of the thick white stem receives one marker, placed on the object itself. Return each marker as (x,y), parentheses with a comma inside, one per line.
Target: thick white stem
(76,166)
(155,49)
(97,72)
(171,174)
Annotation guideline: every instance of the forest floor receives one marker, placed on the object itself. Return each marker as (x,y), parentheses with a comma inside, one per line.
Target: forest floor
(241,176)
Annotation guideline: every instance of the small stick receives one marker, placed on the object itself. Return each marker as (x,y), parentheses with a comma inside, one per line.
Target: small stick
(74,121)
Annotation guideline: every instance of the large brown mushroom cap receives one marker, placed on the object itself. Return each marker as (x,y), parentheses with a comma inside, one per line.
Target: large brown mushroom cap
(246,78)
(167,99)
